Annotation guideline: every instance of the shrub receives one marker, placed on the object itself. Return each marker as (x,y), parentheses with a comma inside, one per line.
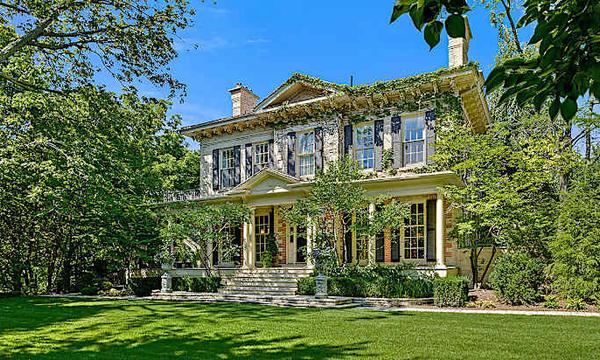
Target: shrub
(89,290)
(307,286)
(144,286)
(551,302)
(517,278)
(266,259)
(374,281)
(115,293)
(450,291)
(209,284)
(576,304)
(104,284)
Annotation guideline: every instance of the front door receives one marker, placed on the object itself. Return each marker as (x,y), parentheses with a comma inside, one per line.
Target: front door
(297,244)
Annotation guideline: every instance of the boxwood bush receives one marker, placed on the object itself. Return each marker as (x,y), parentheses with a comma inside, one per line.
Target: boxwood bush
(144,286)
(517,278)
(374,281)
(208,284)
(450,291)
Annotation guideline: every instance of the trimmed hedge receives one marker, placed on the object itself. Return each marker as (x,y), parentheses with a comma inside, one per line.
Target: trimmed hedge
(450,291)
(144,286)
(209,284)
(89,290)
(378,281)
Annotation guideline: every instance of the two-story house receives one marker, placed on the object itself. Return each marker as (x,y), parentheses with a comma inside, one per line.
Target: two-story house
(268,151)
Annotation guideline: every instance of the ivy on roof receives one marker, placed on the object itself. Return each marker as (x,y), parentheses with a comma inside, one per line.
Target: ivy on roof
(377,87)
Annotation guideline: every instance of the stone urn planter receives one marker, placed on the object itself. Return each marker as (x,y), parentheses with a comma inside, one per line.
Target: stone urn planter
(321,286)
(166,280)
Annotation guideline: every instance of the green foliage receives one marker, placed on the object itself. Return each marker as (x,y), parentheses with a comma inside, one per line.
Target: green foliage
(373,281)
(194,232)
(104,284)
(575,304)
(335,196)
(131,40)
(576,247)
(89,290)
(144,286)
(450,291)
(207,284)
(307,286)
(551,302)
(425,16)
(517,278)
(266,259)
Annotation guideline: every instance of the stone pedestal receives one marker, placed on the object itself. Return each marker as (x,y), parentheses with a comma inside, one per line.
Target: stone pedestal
(321,286)
(166,281)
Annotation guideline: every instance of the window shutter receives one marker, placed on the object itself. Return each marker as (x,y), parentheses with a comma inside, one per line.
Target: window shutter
(271,164)
(215,169)
(347,139)
(249,156)
(378,149)
(429,135)
(379,247)
(291,153)
(236,163)
(319,149)
(272,222)
(431,230)
(397,141)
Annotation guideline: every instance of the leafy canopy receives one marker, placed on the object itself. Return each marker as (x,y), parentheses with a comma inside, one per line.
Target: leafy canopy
(567,35)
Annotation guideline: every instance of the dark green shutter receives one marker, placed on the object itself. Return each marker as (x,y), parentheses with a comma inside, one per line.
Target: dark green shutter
(291,153)
(249,155)
(319,149)
(347,139)
(431,218)
(237,165)
(215,169)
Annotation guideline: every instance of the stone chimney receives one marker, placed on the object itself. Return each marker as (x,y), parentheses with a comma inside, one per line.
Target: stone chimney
(243,100)
(458,48)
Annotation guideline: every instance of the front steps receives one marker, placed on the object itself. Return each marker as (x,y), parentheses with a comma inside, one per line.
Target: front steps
(264,281)
(302,301)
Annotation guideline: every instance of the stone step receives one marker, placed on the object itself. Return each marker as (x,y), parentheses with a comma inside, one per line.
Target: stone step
(266,278)
(279,284)
(258,290)
(275,271)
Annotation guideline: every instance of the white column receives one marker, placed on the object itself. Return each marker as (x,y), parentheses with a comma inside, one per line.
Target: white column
(371,240)
(248,242)
(309,245)
(440,232)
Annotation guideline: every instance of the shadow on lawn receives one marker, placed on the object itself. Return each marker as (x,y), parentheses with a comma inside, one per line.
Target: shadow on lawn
(166,330)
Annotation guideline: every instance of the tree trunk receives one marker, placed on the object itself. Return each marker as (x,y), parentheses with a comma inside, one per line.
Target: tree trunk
(473,258)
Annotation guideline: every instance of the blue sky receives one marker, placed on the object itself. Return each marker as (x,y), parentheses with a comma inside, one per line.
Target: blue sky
(261,43)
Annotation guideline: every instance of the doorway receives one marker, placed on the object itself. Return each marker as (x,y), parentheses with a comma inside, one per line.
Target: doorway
(297,241)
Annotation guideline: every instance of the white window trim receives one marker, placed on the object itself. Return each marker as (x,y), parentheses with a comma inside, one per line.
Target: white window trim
(355,147)
(255,154)
(300,155)
(222,169)
(423,141)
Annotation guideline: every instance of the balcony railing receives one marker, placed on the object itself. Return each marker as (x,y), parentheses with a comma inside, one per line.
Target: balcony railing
(183,195)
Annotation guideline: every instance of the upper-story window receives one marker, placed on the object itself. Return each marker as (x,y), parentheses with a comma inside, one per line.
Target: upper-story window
(261,155)
(414,140)
(306,153)
(227,168)
(363,149)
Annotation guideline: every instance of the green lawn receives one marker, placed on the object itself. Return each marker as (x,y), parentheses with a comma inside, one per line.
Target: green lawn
(52,328)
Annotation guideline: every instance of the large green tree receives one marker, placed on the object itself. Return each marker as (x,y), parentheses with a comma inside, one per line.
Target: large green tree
(129,40)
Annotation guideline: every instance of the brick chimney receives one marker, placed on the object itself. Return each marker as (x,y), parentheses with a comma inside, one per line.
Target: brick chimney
(458,48)
(243,100)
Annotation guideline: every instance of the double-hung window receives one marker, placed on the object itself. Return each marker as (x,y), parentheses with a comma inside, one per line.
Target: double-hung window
(414,140)
(227,168)
(306,153)
(261,155)
(364,147)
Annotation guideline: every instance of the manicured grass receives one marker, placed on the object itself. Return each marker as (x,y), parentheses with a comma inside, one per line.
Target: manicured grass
(54,328)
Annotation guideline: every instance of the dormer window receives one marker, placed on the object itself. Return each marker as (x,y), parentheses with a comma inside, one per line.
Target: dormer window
(227,168)
(364,147)
(414,140)
(306,153)
(261,155)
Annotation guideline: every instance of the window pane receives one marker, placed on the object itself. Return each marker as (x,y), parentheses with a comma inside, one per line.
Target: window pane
(261,155)
(364,136)
(307,143)
(414,233)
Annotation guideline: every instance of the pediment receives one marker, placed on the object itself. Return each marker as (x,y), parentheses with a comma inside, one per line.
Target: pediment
(266,181)
(295,91)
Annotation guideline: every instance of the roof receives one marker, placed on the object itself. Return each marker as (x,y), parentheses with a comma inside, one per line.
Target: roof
(466,81)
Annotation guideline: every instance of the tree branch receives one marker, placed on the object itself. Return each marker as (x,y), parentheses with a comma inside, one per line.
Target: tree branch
(513,27)
(15,8)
